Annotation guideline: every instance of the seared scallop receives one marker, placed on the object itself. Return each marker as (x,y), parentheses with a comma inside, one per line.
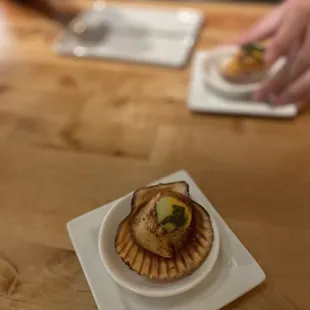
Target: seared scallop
(246,66)
(167,238)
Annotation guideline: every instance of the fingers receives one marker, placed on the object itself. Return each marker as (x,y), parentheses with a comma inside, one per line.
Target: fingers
(302,60)
(264,29)
(291,38)
(298,92)
(276,84)
(290,30)
(297,62)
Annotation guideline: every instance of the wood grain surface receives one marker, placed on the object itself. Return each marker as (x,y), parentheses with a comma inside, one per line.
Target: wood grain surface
(75,134)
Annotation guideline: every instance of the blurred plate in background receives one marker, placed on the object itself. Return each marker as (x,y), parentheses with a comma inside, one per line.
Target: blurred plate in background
(155,36)
(202,98)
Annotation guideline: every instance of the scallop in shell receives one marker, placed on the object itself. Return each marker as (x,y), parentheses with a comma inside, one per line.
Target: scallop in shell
(190,247)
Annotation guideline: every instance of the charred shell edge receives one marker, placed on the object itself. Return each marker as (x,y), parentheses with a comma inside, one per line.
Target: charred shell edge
(154,186)
(246,78)
(195,204)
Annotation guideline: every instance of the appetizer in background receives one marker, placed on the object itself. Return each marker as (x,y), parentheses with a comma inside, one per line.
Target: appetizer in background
(246,66)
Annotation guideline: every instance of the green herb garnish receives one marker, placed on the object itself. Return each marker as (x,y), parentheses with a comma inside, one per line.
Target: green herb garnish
(252,50)
(251,47)
(177,217)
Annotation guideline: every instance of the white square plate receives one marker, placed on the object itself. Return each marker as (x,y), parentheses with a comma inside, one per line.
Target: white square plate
(156,36)
(202,99)
(235,273)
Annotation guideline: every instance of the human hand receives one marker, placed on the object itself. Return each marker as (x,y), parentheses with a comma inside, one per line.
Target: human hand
(288,27)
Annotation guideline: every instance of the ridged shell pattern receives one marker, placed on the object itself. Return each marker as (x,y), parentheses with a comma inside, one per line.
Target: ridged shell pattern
(186,260)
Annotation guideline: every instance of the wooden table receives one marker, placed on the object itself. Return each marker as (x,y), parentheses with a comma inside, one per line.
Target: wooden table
(77,134)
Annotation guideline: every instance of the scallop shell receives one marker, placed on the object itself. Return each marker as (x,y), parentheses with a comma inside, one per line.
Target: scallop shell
(245,78)
(186,260)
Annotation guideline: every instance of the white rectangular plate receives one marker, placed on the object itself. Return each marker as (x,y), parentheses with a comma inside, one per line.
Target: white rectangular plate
(156,36)
(202,99)
(235,273)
